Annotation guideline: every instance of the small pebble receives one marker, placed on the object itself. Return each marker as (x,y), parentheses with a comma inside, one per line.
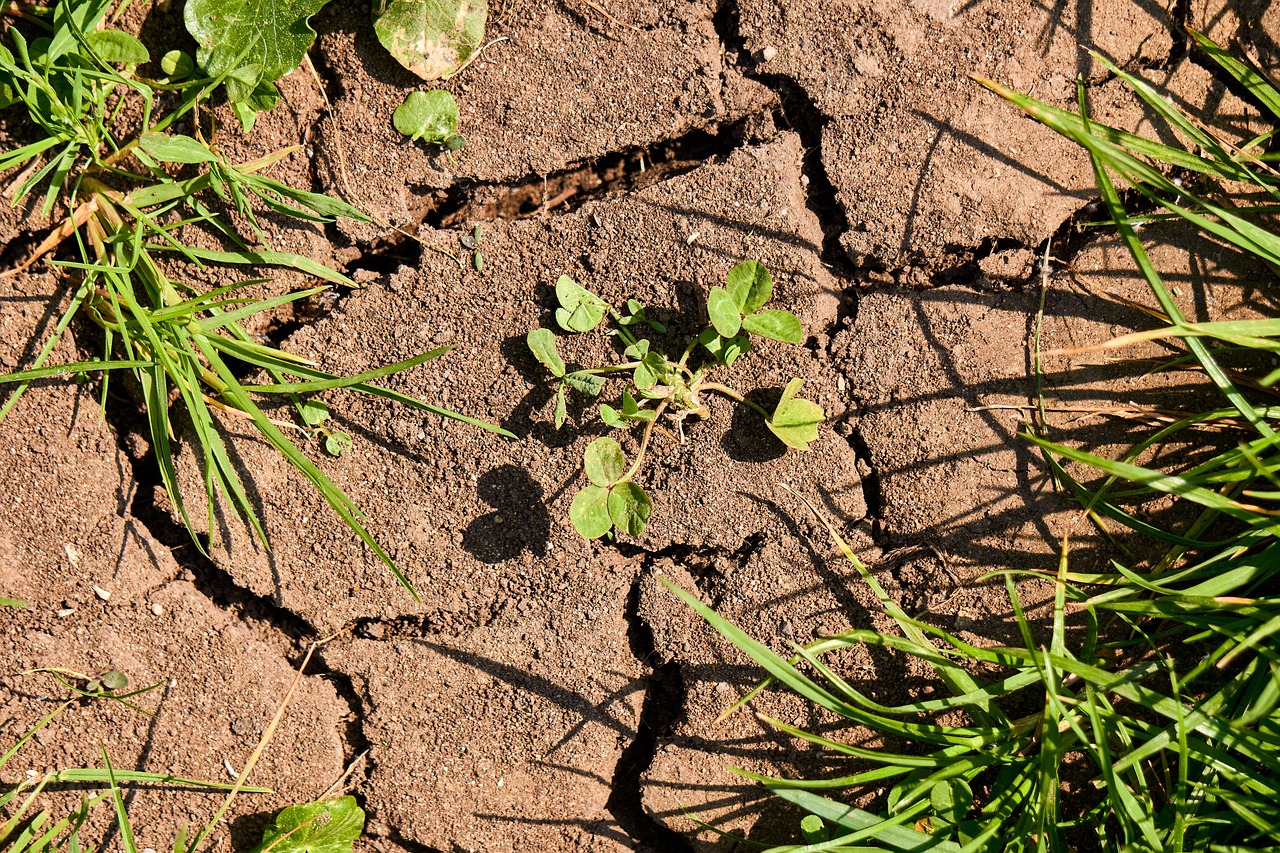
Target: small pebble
(769,53)
(64,612)
(104,594)
(157,608)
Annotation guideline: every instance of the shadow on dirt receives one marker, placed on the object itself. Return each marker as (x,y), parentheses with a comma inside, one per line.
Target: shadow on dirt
(520,521)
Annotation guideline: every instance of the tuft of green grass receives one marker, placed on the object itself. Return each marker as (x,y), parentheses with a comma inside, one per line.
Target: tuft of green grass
(1156,726)
(125,190)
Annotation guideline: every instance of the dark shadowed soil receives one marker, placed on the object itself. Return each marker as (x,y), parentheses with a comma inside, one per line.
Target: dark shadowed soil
(548,693)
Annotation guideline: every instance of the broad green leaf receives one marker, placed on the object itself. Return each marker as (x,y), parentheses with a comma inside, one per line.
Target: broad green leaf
(314,412)
(724,313)
(337,443)
(814,830)
(584,383)
(776,325)
(645,375)
(114,680)
(117,46)
(631,409)
(604,462)
(795,421)
(750,285)
(175,148)
(629,508)
(177,64)
(429,116)
(542,343)
(725,350)
(231,34)
(589,512)
(611,418)
(331,826)
(637,350)
(432,38)
(561,411)
(580,309)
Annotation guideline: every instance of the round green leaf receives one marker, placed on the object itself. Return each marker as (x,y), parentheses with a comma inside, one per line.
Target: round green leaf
(629,508)
(604,461)
(776,325)
(814,830)
(542,343)
(177,64)
(337,443)
(429,116)
(723,312)
(331,826)
(271,34)
(750,285)
(432,38)
(610,416)
(314,412)
(589,512)
(114,680)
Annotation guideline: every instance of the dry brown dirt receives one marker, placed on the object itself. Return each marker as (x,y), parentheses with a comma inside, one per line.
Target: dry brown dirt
(548,693)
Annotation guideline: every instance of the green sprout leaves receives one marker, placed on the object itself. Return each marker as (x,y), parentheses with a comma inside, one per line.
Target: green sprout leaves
(662,385)
(428,116)
(331,826)
(432,38)
(795,421)
(611,500)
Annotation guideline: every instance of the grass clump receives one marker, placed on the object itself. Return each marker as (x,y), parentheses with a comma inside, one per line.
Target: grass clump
(1155,725)
(125,187)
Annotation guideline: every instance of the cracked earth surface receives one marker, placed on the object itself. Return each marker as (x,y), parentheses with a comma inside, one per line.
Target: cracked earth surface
(548,693)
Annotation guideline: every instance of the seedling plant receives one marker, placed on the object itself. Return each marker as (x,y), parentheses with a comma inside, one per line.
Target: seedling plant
(126,189)
(663,387)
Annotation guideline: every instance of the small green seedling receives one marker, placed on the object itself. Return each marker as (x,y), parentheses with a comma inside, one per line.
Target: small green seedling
(431,117)
(664,386)
(471,242)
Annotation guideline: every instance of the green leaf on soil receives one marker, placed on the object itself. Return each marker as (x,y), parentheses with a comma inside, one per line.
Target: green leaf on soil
(629,508)
(631,409)
(177,64)
(725,350)
(584,383)
(580,309)
(750,285)
(795,421)
(314,412)
(561,412)
(12,602)
(777,325)
(604,462)
(432,38)
(331,826)
(542,343)
(611,418)
(724,313)
(646,372)
(429,116)
(175,148)
(337,443)
(114,680)
(117,46)
(589,512)
(271,34)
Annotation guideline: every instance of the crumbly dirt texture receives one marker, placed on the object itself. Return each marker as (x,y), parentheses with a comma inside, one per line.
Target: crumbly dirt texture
(549,693)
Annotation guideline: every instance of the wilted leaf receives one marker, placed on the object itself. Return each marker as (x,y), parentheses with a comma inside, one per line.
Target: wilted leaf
(589,512)
(778,325)
(331,826)
(629,508)
(795,421)
(337,443)
(542,343)
(432,38)
(272,34)
(724,313)
(429,116)
(750,285)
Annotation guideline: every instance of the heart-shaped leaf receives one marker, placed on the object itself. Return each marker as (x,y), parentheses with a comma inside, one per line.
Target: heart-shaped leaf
(589,512)
(429,116)
(750,285)
(778,325)
(726,350)
(580,309)
(795,421)
(542,343)
(432,38)
(331,826)
(629,508)
(604,462)
(724,313)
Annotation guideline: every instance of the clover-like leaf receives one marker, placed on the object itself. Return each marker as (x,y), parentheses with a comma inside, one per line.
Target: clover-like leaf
(271,34)
(725,350)
(637,350)
(584,383)
(330,826)
(429,116)
(432,38)
(542,343)
(604,461)
(724,313)
(750,285)
(795,421)
(629,508)
(580,309)
(589,512)
(777,325)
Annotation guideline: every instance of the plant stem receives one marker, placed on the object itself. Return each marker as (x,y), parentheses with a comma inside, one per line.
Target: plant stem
(644,441)
(732,395)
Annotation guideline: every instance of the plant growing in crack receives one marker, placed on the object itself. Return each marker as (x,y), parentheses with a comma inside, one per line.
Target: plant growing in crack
(665,387)
(129,187)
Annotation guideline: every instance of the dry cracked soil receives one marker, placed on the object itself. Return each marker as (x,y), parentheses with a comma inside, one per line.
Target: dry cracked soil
(548,693)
